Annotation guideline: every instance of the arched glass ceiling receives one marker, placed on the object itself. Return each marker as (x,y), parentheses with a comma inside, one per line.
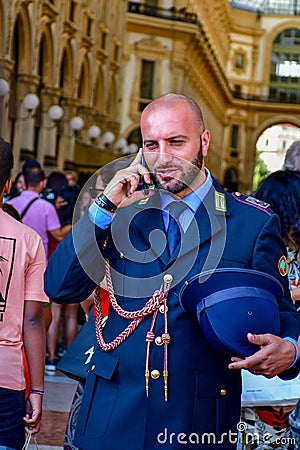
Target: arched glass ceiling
(285,7)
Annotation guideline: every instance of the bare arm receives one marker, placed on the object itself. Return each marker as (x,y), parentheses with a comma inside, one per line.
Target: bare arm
(60,233)
(87,304)
(295,294)
(35,345)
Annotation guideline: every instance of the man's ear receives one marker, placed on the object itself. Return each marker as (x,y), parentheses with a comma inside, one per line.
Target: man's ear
(8,186)
(205,136)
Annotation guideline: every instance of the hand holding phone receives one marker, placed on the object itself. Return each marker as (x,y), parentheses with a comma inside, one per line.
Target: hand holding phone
(130,184)
(142,184)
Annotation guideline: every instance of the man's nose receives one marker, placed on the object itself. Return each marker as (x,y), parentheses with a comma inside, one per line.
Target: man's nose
(163,151)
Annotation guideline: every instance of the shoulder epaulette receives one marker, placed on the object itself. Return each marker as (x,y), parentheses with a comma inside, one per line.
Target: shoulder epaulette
(249,200)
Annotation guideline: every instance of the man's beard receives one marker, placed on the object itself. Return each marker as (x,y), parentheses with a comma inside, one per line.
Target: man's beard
(189,171)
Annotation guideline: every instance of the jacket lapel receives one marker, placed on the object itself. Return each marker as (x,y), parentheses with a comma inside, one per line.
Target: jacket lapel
(148,229)
(207,223)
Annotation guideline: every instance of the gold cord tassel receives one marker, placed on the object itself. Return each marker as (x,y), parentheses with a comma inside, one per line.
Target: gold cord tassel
(166,374)
(147,376)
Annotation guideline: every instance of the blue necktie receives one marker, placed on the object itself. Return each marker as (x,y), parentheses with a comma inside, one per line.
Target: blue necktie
(174,230)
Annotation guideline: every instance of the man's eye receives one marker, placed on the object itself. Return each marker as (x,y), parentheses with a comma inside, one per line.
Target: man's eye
(151,145)
(176,142)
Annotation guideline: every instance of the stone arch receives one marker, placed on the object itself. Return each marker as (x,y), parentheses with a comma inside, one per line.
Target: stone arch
(111,104)
(231,179)
(275,148)
(133,135)
(275,120)
(21,42)
(66,71)
(99,90)
(84,82)
(269,45)
(45,57)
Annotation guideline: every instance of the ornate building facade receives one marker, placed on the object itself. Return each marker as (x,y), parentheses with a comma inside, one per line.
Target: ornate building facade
(66,54)
(225,58)
(103,61)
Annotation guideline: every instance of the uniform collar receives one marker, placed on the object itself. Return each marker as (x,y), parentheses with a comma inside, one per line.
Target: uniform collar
(207,221)
(194,198)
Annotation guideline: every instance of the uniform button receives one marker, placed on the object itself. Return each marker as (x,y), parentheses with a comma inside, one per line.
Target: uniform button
(121,255)
(168,278)
(158,340)
(162,309)
(93,367)
(223,392)
(155,374)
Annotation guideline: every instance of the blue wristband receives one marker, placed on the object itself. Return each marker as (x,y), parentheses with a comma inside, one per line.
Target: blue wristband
(99,216)
(295,344)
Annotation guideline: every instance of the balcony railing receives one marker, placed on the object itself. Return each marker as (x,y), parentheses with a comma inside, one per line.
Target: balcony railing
(265,99)
(164,13)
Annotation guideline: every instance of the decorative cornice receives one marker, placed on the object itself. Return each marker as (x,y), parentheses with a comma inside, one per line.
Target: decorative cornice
(49,10)
(150,42)
(87,43)
(69,28)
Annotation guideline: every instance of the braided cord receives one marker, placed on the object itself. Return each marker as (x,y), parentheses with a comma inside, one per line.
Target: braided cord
(136,317)
(99,327)
(152,305)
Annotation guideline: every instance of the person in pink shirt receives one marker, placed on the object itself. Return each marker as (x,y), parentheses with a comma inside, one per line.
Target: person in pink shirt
(22,328)
(36,212)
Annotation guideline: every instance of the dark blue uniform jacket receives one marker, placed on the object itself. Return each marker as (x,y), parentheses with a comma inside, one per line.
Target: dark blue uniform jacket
(203,404)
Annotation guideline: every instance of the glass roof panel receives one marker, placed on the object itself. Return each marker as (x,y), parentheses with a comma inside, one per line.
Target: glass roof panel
(285,7)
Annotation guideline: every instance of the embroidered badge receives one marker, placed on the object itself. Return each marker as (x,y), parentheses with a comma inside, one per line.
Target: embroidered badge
(283,266)
(220,202)
(257,202)
(144,201)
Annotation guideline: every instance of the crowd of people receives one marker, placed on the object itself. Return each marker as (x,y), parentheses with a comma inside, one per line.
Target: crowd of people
(144,231)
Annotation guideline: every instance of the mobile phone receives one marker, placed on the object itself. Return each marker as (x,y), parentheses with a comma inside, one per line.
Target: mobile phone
(142,184)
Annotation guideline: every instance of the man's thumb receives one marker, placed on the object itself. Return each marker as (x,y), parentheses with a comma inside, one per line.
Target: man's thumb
(257,339)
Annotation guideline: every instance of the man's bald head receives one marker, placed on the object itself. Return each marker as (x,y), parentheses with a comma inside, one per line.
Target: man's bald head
(169,101)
